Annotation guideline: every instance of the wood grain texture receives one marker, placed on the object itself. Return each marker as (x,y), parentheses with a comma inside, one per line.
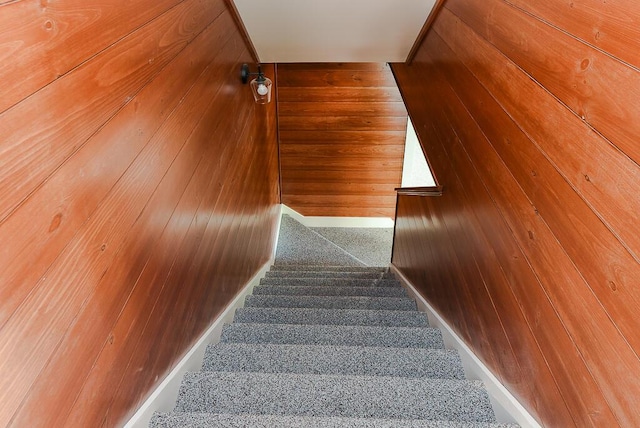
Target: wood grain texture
(559,350)
(317,149)
(51,38)
(327,76)
(597,88)
(335,178)
(613,281)
(342,123)
(357,138)
(342,129)
(553,248)
(362,95)
(102,211)
(33,149)
(342,108)
(613,27)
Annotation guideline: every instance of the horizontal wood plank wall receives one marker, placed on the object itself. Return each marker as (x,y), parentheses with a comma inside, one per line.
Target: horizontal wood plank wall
(139,191)
(532,253)
(342,132)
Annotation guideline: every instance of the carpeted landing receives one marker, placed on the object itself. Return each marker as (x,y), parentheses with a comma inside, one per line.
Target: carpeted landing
(333,246)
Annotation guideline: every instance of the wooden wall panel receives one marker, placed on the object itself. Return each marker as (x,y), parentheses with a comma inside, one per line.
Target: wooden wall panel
(135,191)
(34,148)
(536,227)
(342,129)
(51,38)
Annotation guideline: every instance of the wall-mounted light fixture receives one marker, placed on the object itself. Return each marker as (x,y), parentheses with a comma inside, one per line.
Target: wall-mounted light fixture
(260,86)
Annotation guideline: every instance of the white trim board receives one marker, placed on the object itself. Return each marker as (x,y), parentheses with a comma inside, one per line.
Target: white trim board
(163,398)
(353,222)
(505,405)
(277,232)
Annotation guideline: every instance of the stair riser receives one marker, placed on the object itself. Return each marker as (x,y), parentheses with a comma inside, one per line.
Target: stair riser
(397,337)
(330,282)
(307,274)
(328,302)
(315,268)
(330,291)
(331,317)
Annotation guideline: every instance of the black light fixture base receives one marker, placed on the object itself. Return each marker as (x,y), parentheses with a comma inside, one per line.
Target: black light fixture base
(244,73)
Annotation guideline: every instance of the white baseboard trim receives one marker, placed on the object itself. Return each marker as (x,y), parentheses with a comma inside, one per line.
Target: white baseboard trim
(163,398)
(354,222)
(505,405)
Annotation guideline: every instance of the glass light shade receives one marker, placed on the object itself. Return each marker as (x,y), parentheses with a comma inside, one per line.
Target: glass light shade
(261,88)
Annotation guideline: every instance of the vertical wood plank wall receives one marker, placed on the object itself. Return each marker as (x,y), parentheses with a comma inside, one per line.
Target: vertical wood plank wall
(138,193)
(528,112)
(342,132)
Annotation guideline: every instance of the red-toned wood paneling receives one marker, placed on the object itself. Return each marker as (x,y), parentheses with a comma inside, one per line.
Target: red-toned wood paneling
(139,194)
(342,131)
(533,245)
(49,39)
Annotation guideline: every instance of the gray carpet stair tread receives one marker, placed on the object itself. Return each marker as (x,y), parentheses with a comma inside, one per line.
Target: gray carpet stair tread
(312,274)
(327,268)
(329,291)
(336,360)
(343,396)
(397,337)
(330,317)
(332,302)
(382,273)
(331,282)
(211,420)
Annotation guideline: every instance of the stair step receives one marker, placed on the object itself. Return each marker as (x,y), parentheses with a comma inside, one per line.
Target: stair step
(216,420)
(329,291)
(342,396)
(330,317)
(335,360)
(397,337)
(320,268)
(335,302)
(329,274)
(316,274)
(330,282)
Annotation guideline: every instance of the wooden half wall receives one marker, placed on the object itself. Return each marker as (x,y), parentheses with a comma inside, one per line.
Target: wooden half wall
(528,113)
(342,133)
(138,194)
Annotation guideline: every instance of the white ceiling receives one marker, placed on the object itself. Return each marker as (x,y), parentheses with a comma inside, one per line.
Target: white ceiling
(333,30)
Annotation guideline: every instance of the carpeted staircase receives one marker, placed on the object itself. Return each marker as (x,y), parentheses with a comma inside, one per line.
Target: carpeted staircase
(330,347)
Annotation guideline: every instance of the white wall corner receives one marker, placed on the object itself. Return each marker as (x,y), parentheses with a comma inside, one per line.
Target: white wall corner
(352,222)
(163,398)
(505,405)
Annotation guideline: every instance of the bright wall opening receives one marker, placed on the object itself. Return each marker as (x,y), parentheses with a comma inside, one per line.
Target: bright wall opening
(415,169)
